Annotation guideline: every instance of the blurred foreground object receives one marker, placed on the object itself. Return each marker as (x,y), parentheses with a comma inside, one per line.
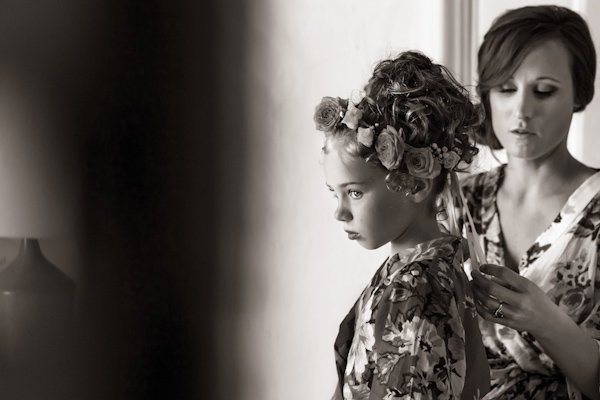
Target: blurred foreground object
(36,312)
(39,200)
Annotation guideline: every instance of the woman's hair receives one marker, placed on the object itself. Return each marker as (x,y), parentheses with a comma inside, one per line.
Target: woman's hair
(515,34)
(422,101)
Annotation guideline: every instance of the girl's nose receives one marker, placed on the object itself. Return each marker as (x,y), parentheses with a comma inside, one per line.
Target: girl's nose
(342,213)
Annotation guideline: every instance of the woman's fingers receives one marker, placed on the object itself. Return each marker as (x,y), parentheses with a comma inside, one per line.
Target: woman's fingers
(505,297)
(487,301)
(486,313)
(487,287)
(505,277)
(490,308)
(498,281)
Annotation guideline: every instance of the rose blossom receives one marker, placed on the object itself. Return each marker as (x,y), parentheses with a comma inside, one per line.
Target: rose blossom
(353,115)
(390,148)
(329,113)
(421,164)
(365,136)
(451,159)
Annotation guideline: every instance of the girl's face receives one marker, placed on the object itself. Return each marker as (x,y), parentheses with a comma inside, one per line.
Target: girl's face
(371,214)
(532,111)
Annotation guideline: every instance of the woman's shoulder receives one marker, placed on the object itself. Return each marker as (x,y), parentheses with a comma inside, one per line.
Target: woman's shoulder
(590,189)
(589,224)
(581,214)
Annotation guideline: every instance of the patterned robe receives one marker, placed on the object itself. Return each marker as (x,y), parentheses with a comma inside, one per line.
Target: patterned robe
(405,336)
(564,263)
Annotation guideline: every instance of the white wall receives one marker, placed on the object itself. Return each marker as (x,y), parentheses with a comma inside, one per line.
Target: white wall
(299,273)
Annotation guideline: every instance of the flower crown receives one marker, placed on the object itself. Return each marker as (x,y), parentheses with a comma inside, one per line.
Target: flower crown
(390,144)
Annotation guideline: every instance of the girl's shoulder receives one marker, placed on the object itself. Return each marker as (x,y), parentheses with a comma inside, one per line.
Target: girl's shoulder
(478,182)
(480,189)
(425,287)
(436,266)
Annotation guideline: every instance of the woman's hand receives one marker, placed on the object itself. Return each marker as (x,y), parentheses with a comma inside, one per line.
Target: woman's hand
(525,307)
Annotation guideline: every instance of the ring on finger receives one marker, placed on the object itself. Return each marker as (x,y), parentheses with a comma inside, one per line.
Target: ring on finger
(498,313)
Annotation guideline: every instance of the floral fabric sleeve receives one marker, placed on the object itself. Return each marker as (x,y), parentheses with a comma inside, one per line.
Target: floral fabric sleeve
(589,229)
(419,338)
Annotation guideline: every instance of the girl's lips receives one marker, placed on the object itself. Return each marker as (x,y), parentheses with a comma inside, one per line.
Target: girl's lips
(352,235)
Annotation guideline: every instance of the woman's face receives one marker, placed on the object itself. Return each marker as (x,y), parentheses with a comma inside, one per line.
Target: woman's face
(532,111)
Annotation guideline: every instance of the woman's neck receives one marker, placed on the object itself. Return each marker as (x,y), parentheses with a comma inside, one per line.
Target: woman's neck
(558,173)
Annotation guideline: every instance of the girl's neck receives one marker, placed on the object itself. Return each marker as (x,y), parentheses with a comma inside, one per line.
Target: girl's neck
(420,231)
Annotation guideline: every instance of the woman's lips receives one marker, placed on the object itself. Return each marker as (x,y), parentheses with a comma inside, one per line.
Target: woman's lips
(521,132)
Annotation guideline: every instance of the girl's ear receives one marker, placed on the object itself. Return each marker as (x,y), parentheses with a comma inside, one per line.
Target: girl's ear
(421,190)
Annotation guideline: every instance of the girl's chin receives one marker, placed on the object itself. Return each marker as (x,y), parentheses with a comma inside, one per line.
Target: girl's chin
(367,245)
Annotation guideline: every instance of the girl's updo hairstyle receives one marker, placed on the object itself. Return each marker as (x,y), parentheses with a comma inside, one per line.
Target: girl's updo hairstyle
(424,100)
(515,34)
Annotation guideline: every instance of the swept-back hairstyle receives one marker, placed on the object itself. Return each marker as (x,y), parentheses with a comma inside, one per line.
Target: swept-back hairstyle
(515,34)
(422,99)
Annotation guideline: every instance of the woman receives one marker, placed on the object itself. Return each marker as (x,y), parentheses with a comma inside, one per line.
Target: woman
(539,215)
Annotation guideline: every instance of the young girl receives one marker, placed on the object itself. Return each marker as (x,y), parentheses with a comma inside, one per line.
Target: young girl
(388,160)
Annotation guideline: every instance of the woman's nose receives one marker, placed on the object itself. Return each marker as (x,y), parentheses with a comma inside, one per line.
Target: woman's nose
(524,106)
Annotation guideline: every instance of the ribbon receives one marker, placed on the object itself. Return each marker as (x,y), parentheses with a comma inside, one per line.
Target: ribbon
(458,202)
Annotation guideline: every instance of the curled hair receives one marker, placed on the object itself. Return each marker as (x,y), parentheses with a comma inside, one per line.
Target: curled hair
(413,94)
(347,138)
(515,34)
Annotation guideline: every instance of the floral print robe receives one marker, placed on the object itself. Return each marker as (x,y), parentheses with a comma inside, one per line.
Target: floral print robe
(564,262)
(405,336)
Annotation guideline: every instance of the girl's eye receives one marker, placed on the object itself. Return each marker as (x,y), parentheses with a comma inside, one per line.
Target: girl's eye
(355,194)
(332,193)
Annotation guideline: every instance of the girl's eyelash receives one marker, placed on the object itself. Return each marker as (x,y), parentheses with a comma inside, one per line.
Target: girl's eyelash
(355,194)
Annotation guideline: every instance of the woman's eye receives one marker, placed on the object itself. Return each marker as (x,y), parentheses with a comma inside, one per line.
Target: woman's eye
(544,92)
(355,194)
(506,89)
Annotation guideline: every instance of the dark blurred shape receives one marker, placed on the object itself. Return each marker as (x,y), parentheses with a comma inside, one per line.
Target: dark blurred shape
(136,90)
(36,319)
